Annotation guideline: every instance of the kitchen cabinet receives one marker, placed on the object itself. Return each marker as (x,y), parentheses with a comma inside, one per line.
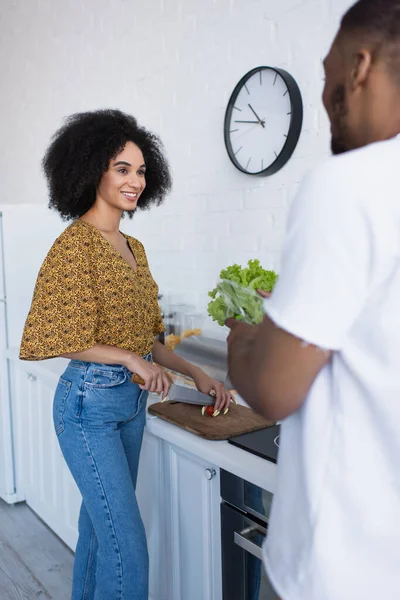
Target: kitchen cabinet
(178,493)
(151,492)
(42,477)
(193,526)
(178,485)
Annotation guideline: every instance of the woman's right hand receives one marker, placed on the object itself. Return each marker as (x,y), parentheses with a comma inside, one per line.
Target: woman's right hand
(154,377)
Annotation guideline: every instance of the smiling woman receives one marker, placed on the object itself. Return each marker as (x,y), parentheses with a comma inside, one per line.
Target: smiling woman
(95,302)
(85,149)
(124,182)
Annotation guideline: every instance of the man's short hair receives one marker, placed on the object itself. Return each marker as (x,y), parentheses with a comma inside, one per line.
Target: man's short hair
(376,23)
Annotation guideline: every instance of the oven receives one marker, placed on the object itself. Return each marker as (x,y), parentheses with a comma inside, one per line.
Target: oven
(245,510)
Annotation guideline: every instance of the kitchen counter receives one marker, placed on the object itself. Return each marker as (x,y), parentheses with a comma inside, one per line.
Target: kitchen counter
(220,453)
(179,478)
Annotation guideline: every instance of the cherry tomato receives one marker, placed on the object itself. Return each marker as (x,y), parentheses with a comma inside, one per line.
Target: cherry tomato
(208,410)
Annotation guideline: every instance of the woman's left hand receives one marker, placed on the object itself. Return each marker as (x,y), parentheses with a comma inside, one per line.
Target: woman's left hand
(211,387)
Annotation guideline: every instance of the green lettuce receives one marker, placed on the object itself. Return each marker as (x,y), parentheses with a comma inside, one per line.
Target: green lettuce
(236,296)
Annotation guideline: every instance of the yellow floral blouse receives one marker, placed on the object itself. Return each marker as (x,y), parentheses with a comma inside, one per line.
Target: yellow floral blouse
(86,293)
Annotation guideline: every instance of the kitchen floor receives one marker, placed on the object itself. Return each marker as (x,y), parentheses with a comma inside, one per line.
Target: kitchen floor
(34,563)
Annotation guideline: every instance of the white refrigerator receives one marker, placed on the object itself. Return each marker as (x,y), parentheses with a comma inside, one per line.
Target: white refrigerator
(7,475)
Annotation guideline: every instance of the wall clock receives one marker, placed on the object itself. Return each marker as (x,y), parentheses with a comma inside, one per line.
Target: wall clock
(263,121)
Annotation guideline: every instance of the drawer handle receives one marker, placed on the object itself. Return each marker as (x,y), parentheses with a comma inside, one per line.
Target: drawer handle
(210,474)
(242,539)
(31,377)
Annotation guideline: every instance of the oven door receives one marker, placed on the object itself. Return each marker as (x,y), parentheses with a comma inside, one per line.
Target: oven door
(243,573)
(246,496)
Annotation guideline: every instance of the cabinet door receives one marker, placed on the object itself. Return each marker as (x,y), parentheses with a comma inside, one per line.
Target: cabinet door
(42,476)
(150,493)
(194,528)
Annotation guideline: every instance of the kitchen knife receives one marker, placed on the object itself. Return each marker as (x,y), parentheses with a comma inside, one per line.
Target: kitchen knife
(179,393)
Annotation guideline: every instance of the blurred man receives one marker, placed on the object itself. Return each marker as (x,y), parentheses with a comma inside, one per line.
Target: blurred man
(326,359)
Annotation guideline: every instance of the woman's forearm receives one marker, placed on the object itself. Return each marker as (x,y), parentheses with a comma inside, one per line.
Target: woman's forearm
(165,358)
(107,355)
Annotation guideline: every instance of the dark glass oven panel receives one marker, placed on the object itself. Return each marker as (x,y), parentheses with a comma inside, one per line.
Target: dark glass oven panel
(244,577)
(246,496)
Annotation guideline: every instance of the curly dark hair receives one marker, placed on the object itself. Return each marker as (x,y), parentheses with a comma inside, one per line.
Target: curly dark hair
(81,151)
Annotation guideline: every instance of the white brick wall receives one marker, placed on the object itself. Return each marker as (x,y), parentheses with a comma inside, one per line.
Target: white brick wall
(173,64)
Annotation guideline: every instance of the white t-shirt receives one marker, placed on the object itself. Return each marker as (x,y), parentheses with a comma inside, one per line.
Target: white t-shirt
(334,532)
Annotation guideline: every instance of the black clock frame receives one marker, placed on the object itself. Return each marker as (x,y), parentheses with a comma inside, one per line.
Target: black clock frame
(296,121)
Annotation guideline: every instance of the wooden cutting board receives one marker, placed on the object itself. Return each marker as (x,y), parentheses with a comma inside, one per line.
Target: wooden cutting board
(239,419)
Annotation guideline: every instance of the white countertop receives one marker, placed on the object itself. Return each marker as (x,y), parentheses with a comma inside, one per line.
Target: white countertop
(221,454)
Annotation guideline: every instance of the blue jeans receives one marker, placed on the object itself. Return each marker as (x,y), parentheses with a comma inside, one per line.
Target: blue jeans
(99,416)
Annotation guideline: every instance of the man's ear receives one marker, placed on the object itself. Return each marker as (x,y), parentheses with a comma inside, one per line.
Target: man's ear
(361,68)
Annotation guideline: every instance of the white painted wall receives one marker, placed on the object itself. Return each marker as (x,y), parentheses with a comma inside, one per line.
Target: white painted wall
(173,64)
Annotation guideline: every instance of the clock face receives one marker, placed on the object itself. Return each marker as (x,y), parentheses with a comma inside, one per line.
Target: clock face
(263,121)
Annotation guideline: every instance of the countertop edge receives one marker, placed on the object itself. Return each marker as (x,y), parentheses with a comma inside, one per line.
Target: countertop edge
(221,454)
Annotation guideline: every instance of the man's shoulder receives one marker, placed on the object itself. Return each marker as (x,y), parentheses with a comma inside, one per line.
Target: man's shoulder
(363,182)
(362,168)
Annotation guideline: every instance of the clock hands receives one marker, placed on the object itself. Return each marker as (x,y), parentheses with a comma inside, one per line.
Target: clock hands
(257,117)
(257,122)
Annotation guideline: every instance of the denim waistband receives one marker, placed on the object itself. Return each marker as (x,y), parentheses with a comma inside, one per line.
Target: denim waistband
(83,365)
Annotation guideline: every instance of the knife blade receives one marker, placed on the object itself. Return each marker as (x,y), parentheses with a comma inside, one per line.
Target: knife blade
(179,393)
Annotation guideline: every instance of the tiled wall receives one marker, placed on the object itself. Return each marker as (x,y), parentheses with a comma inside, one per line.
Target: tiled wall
(173,64)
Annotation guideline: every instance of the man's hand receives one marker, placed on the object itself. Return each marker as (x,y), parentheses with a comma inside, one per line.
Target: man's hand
(264,294)
(240,341)
(241,333)
(270,368)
